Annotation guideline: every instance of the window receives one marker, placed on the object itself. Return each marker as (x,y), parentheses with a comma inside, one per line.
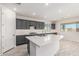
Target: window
(77,27)
(70,27)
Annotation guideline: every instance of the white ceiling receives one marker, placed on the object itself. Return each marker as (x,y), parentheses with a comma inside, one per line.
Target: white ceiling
(52,11)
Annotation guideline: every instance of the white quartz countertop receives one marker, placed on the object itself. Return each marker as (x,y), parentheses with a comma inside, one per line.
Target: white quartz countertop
(43,40)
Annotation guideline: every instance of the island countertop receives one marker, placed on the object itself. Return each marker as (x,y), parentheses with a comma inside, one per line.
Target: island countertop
(43,40)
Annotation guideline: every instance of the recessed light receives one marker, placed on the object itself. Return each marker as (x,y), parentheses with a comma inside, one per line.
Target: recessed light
(14,9)
(60,11)
(34,13)
(46,4)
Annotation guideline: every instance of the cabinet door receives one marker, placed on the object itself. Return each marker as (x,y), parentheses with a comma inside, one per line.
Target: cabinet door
(27,24)
(37,25)
(52,26)
(23,24)
(17,24)
(20,24)
(31,23)
(8,29)
(42,25)
(20,39)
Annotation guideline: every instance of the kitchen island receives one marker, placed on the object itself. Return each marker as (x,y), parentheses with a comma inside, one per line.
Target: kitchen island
(44,45)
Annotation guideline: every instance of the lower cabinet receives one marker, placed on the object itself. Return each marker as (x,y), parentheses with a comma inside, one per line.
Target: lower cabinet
(20,39)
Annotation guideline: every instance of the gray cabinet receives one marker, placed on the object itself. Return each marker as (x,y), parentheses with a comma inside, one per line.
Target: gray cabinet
(52,26)
(25,24)
(40,25)
(20,24)
(20,39)
(32,23)
(37,25)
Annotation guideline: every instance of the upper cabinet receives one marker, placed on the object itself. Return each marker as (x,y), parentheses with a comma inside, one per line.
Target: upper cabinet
(40,25)
(18,24)
(26,24)
(52,26)
(22,24)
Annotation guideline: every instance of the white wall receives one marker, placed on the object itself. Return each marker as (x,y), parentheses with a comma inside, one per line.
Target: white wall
(0,33)
(72,36)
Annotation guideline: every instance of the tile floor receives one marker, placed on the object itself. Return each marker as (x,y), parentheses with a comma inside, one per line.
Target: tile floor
(20,50)
(67,48)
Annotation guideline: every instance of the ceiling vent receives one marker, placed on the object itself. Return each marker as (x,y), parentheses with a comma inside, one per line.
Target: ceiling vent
(18,4)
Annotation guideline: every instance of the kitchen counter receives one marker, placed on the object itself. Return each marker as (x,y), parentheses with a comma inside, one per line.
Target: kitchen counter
(46,45)
(43,40)
(40,34)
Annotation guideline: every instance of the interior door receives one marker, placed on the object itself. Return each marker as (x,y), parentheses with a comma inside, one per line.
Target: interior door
(8,29)
(0,33)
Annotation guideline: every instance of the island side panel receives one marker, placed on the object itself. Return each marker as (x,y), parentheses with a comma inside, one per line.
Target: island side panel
(32,49)
(48,50)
